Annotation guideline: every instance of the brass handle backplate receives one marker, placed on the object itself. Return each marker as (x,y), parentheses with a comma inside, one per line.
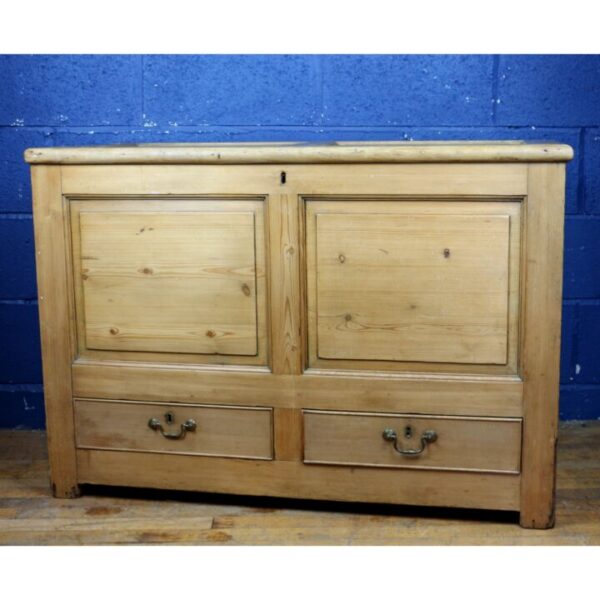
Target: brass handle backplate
(427,437)
(156,425)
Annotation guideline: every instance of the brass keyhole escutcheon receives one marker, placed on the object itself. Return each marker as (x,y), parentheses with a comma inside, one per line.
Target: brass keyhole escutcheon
(170,418)
(408,432)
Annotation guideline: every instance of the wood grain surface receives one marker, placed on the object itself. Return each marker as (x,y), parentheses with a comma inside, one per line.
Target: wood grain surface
(476,444)
(334,152)
(29,515)
(430,288)
(219,431)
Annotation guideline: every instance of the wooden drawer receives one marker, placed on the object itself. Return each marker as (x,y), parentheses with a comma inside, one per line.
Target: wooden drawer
(460,443)
(218,430)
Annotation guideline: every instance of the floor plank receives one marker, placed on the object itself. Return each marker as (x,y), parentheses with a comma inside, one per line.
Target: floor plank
(29,515)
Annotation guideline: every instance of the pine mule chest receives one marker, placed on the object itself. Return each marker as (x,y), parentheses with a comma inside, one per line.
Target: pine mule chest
(369,322)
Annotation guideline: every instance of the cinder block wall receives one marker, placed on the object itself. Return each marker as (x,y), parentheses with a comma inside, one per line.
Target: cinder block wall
(83,100)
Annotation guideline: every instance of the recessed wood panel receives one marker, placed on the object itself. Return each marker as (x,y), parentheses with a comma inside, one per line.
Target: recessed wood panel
(183,277)
(464,444)
(219,430)
(411,286)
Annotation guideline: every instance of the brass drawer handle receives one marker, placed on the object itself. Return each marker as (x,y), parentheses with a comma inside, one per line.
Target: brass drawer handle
(427,437)
(189,425)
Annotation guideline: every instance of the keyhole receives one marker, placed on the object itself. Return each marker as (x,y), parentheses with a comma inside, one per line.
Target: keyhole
(170,418)
(408,432)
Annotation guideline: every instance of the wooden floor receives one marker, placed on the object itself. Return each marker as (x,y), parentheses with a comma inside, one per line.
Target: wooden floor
(29,514)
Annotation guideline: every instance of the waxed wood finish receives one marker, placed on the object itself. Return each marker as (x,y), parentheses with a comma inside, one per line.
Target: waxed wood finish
(217,291)
(284,253)
(475,444)
(367,179)
(163,277)
(29,515)
(288,434)
(541,342)
(220,431)
(412,288)
(386,392)
(292,479)
(290,152)
(182,282)
(420,286)
(56,323)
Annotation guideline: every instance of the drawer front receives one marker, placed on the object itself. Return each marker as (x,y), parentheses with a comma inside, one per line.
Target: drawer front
(177,428)
(414,442)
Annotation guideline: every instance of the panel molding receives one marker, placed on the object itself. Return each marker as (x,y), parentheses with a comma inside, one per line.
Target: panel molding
(152,206)
(315,206)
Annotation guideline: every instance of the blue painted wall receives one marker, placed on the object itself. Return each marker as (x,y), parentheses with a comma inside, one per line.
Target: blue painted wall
(82,100)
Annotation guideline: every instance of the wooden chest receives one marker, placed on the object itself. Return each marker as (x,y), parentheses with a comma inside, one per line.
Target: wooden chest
(374,322)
